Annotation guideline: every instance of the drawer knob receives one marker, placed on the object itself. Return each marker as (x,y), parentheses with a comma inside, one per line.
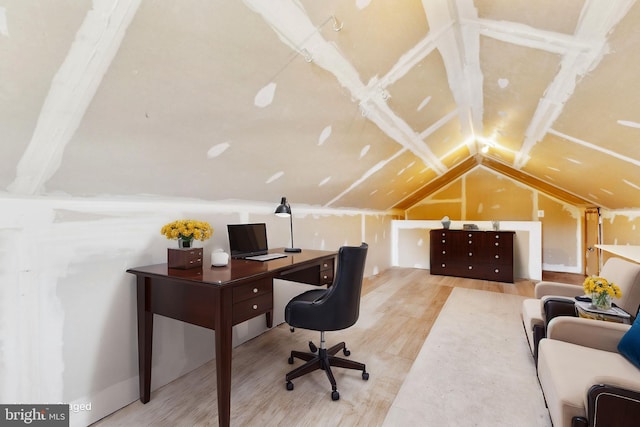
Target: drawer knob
(444,265)
(471,267)
(326,265)
(325,276)
(255,290)
(497,256)
(470,253)
(497,244)
(497,236)
(255,306)
(444,241)
(470,235)
(470,241)
(444,252)
(497,270)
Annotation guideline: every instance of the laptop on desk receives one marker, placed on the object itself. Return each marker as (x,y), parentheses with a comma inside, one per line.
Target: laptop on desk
(249,241)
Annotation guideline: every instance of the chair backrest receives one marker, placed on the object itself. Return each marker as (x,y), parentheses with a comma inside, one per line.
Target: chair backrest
(339,308)
(625,274)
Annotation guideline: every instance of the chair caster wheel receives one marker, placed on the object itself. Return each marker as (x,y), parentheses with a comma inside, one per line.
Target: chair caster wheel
(290,360)
(289,385)
(335,395)
(365,376)
(312,347)
(346,352)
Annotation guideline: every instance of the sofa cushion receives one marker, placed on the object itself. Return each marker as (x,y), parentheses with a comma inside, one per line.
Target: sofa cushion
(629,345)
(566,371)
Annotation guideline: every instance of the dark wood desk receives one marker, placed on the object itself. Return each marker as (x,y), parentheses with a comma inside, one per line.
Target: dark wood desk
(218,298)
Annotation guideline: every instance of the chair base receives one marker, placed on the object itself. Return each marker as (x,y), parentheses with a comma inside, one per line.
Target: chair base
(324,359)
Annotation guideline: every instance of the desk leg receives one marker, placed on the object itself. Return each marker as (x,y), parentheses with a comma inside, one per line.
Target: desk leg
(270,312)
(145,335)
(269,318)
(224,333)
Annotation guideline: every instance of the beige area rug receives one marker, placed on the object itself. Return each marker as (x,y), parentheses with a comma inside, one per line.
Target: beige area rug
(474,369)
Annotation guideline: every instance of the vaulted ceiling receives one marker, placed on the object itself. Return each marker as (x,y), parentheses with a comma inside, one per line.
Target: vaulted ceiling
(341,103)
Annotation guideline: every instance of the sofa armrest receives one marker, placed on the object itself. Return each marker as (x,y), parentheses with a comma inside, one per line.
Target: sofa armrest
(596,334)
(556,288)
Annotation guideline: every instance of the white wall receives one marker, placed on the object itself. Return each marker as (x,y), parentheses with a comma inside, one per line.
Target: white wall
(410,244)
(67,306)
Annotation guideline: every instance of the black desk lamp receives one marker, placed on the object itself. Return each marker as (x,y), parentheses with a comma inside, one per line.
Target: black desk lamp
(284,210)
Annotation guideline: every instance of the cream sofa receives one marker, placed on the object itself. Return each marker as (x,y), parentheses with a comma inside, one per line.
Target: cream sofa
(577,355)
(625,274)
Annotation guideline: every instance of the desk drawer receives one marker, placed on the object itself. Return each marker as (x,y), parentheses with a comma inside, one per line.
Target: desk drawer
(319,274)
(326,277)
(247,309)
(326,272)
(252,290)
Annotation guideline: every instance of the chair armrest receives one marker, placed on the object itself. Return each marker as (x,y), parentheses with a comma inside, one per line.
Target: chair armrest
(616,406)
(571,299)
(554,306)
(596,334)
(623,383)
(556,288)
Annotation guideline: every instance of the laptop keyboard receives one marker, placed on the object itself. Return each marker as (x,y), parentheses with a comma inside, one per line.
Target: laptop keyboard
(265,257)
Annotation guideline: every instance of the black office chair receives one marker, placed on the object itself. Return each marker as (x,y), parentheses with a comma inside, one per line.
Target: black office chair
(329,309)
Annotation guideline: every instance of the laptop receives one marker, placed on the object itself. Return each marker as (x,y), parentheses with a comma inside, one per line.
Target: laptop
(249,241)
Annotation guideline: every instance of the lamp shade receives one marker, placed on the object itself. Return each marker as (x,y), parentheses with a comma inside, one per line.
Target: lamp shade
(283,209)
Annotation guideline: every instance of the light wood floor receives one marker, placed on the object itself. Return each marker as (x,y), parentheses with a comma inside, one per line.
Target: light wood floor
(398,309)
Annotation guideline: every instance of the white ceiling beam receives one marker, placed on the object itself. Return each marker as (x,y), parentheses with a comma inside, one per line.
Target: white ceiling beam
(292,25)
(595,147)
(72,89)
(381,164)
(597,20)
(524,35)
(460,50)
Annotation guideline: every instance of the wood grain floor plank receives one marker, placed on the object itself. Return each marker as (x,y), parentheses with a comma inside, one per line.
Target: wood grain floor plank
(399,307)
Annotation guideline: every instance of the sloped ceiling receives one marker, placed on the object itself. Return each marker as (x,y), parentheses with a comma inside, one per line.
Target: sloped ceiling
(360,103)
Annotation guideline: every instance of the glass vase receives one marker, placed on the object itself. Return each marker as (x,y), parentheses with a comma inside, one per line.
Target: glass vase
(601,301)
(185,242)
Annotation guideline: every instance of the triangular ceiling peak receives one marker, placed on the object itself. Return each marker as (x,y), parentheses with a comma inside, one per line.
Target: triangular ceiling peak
(501,168)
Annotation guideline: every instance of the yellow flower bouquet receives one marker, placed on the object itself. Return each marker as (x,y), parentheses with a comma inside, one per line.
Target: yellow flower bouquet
(601,291)
(185,230)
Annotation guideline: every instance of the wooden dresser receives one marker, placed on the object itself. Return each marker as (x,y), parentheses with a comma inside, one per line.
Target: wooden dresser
(474,254)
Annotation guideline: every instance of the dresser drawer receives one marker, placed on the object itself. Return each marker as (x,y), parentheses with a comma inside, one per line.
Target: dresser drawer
(249,308)
(500,258)
(500,273)
(252,290)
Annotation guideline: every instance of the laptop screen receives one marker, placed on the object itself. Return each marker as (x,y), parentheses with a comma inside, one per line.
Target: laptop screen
(247,239)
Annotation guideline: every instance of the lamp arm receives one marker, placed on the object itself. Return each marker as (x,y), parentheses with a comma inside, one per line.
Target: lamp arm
(291,225)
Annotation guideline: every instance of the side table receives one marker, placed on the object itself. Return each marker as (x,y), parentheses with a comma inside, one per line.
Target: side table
(614,314)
